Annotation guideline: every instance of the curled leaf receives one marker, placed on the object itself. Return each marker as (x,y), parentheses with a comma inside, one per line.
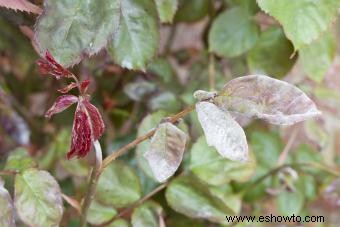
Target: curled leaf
(21,5)
(201,95)
(166,151)
(62,103)
(275,101)
(222,132)
(84,85)
(97,122)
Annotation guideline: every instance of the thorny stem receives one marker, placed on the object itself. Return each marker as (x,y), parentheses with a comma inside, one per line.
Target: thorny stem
(95,173)
(142,138)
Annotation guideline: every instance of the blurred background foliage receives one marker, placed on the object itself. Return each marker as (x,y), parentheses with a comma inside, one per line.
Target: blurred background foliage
(207,44)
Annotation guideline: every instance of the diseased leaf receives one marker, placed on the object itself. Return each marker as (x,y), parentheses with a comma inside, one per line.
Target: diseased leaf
(212,168)
(38,198)
(193,199)
(192,10)
(275,101)
(61,103)
(19,160)
(99,213)
(166,9)
(6,207)
(232,33)
(222,132)
(303,21)
(272,54)
(72,29)
(118,186)
(147,215)
(21,5)
(136,40)
(166,151)
(317,57)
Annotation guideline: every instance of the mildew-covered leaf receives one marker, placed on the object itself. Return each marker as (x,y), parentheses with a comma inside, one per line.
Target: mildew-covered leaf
(304,20)
(72,29)
(38,198)
(222,132)
(6,207)
(166,151)
(136,40)
(258,96)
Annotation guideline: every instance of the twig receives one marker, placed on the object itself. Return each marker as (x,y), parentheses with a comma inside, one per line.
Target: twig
(211,72)
(170,40)
(287,148)
(126,148)
(139,202)
(8,172)
(95,173)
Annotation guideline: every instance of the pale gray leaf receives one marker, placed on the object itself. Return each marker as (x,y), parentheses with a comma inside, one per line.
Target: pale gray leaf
(258,96)
(201,95)
(166,151)
(38,198)
(6,208)
(222,132)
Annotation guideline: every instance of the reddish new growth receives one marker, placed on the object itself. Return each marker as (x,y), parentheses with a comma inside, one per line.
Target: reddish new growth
(49,65)
(88,124)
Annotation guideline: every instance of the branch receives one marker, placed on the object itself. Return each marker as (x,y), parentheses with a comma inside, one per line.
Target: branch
(92,184)
(126,148)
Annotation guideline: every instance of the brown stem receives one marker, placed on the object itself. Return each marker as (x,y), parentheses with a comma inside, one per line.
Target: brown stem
(95,173)
(8,172)
(142,138)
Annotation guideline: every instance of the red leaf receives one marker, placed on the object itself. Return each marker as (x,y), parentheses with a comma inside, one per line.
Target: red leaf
(22,5)
(81,134)
(67,88)
(49,65)
(84,85)
(62,103)
(96,119)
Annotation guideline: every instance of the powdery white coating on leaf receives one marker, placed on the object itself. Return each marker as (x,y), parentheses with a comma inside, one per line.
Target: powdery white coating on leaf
(6,208)
(21,5)
(61,103)
(201,95)
(166,151)
(38,198)
(222,132)
(258,96)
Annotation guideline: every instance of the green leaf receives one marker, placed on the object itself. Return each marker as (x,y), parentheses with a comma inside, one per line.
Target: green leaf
(317,57)
(71,29)
(306,154)
(6,207)
(307,185)
(166,151)
(233,33)
(290,203)
(166,101)
(136,41)
(99,213)
(249,5)
(38,198)
(192,10)
(271,54)
(303,21)
(267,147)
(19,160)
(225,194)
(166,9)
(119,223)
(118,186)
(147,215)
(191,198)
(163,69)
(138,90)
(212,168)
